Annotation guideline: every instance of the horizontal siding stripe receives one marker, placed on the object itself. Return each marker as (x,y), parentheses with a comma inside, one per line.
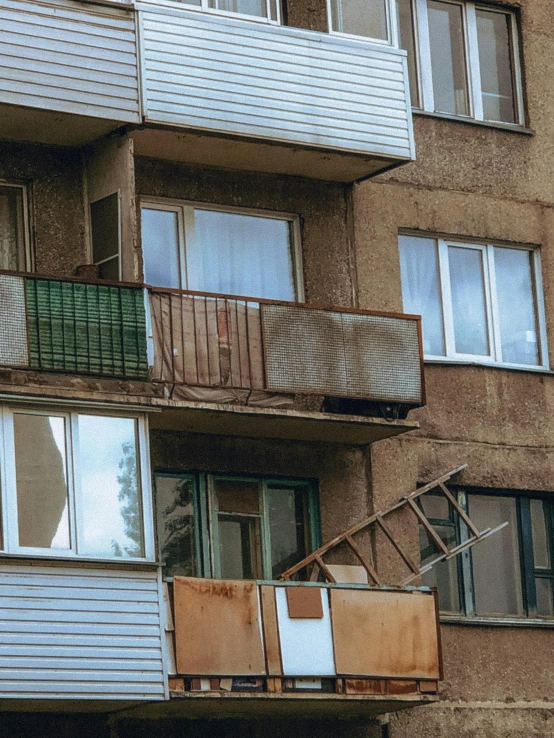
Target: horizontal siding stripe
(32,641)
(77,690)
(44,650)
(47,627)
(84,104)
(75,593)
(132,669)
(45,675)
(69,50)
(56,603)
(43,615)
(65,74)
(72,22)
(270,82)
(101,62)
(119,94)
(56,580)
(91,13)
(80,37)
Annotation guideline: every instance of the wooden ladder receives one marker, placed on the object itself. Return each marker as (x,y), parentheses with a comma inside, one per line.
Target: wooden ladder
(377,521)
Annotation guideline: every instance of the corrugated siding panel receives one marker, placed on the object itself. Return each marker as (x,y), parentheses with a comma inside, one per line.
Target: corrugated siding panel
(69,57)
(87,328)
(280,83)
(80,634)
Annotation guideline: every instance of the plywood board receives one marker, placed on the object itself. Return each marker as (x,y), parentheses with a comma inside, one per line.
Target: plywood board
(218,628)
(348,574)
(304,602)
(271,631)
(306,644)
(385,634)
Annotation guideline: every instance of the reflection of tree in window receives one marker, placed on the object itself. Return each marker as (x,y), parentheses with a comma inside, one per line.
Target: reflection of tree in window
(130,509)
(176,525)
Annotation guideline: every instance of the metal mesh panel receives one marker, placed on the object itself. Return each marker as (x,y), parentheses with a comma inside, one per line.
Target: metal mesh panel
(13,336)
(369,357)
(87,328)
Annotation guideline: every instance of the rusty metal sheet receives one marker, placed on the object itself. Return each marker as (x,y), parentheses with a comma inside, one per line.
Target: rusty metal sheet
(304,602)
(385,634)
(271,631)
(217,628)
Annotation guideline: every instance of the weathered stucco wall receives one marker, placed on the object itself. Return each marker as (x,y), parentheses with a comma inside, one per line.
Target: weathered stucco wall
(54,178)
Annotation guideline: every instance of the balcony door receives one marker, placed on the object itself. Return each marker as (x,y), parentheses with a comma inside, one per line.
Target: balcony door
(221,250)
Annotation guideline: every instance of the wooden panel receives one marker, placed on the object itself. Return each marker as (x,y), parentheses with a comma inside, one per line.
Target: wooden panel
(302,88)
(271,631)
(217,628)
(82,633)
(385,634)
(304,602)
(69,57)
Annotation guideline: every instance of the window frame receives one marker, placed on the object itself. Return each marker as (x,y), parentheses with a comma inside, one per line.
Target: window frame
(9,534)
(119,255)
(491,302)
(424,71)
(528,570)
(27,251)
(185,217)
(393,32)
(203,8)
(206,538)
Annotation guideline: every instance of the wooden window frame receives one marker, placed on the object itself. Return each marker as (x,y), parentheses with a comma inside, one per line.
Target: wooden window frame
(206,536)
(8,497)
(491,301)
(185,215)
(423,66)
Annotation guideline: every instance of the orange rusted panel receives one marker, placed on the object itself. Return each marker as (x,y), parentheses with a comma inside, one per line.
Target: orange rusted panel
(401,686)
(217,628)
(385,634)
(365,686)
(304,602)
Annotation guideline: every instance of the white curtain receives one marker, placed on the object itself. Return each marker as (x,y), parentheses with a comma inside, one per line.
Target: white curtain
(468,301)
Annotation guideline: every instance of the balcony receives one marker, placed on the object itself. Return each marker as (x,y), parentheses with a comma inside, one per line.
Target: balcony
(262,97)
(207,347)
(309,649)
(68,71)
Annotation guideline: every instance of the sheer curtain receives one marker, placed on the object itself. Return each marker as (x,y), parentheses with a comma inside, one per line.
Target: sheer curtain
(469,310)
(419,266)
(360,17)
(240,255)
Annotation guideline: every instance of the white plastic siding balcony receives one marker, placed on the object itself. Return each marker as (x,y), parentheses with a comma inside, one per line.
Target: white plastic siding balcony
(282,85)
(69,58)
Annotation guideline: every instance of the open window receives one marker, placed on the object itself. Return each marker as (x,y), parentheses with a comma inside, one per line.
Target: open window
(14,228)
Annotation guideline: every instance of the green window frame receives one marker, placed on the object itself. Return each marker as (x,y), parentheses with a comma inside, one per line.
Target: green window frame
(508,576)
(190,521)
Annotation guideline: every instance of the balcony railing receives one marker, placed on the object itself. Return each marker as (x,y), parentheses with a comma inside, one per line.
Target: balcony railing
(72,326)
(303,639)
(205,340)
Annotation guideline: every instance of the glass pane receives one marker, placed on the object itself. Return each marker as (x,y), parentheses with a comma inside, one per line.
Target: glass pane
(495,561)
(240,553)
(495,61)
(110,487)
(360,17)
(236,496)
(435,506)
(175,523)
(247,7)
(407,42)
(467,283)
(516,306)
(444,575)
(287,527)
(12,238)
(421,295)
(241,255)
(41,481)
(544,597)
(448,64)
(109,270)
(105,227)
(541,549)
(160,248)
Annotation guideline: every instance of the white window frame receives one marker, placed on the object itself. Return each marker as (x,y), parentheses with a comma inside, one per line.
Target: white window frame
(491,303)
(424,69)
(28,254)
(203,8)
(185,215)
(8,497)
(392,26)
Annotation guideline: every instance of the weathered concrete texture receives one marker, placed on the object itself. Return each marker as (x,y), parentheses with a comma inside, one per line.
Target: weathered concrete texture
(310,14)
(55,181)
(322,208)
(341,470)
(52,725)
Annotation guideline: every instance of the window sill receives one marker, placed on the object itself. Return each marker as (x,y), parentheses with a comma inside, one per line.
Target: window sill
(77,561)
(522,130)
(490,365)
(509,622)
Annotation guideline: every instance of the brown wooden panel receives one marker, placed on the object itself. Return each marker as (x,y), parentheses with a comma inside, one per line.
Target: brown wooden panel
(365,686)
(271,632)
(255,348)
(385,634)
(189,340)
(217,628)
(304,602)
(401,686)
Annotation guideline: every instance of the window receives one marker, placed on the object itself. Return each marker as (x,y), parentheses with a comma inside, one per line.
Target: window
(225,251)
(463,59)
(73,485)
(266,9)
(106,236)
(234,527)
(479,302)
(368,18)
(510,574)
(14,228)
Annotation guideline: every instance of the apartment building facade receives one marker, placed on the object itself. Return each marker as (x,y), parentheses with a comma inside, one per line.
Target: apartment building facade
(220,222)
